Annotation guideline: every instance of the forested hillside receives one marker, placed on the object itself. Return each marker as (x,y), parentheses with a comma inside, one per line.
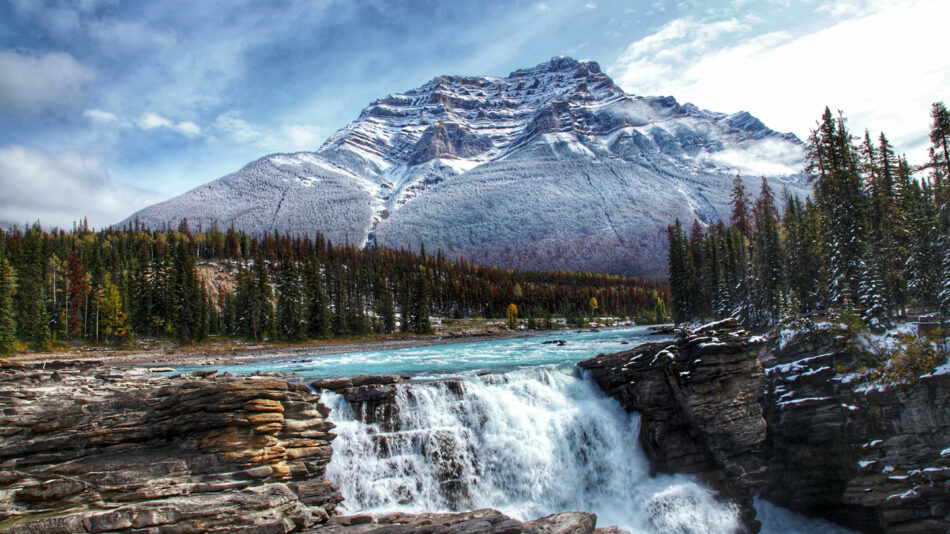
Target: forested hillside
(874,237)
(114,285)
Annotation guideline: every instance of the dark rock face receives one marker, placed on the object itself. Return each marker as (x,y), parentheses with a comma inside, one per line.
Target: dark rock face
(699,400)
(872,458)
(89,449)
(800,434)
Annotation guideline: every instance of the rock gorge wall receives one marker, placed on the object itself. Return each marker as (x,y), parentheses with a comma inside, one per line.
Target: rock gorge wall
(784,424)
(89,448)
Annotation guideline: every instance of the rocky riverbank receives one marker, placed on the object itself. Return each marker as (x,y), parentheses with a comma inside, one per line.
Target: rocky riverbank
(791,425)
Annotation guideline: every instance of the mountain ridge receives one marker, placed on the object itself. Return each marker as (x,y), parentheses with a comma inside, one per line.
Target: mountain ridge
(551,167)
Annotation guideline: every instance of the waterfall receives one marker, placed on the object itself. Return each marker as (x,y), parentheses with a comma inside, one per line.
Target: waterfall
(529,442)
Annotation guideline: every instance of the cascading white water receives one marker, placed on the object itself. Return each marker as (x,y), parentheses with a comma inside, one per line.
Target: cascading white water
(530,442)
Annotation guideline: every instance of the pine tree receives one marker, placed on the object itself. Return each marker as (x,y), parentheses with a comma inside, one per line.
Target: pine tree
(75,289)
(186,294)
(7,321)
(289,301)
(832,163)
(740,207)
(679,279)
(940,133)
(422,294)
(318,316)
(767,288)
(384,303)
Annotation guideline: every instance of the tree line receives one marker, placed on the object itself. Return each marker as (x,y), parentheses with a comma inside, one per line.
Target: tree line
(874,237)
(110,286)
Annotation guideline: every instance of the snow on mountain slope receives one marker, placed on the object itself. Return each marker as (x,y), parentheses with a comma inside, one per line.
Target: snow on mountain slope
(552,167)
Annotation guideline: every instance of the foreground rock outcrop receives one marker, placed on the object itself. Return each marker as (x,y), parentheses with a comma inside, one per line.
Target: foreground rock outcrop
(791,425)
(94,449)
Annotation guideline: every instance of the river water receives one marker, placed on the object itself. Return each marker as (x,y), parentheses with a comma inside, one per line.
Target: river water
(518,428)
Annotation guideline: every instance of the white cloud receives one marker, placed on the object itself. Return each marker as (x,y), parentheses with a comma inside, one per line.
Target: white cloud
(152,121)
(590,5)
(769,157)
(34,84)
(61,187)
(288,138)
(541,6)
(882,67)
(99,116)
(302,137)
(232,125)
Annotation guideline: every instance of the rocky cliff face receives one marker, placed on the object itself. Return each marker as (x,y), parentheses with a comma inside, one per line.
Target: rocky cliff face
(699,403)
(785,424)
(94,449)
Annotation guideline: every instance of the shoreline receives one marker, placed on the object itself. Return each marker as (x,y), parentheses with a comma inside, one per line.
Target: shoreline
(241,355)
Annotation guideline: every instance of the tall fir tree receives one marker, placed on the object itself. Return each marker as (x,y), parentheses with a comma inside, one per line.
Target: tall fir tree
(289,299)
(7,320)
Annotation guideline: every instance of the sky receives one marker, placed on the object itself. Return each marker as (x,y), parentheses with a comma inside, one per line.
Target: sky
(107,106)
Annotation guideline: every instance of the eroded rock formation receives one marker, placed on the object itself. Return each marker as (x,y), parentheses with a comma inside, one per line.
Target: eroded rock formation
(94,449)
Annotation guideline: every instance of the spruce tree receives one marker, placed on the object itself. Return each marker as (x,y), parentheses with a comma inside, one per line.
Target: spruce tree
(740,207)
(420,309)
(318,316)
(7,321)
(679,280)
(767,288)
(289,300)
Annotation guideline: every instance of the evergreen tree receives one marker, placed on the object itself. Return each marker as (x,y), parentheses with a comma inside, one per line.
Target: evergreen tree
(75,290)
(384,304)
(740,207)
(421,295)
(767,261)
(318,316)
(289,300)
(940,134)
(832,165)
(679,280)
(186,294)
(7,321)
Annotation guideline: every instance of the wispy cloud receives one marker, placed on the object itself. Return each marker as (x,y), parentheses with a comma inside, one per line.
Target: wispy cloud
(99,116)
(31,84)
(878,64)
(153,121)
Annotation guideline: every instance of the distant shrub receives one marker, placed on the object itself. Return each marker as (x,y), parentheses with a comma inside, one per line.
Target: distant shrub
(914,356)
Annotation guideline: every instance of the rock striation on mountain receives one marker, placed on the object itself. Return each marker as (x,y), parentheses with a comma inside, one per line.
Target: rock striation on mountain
(551,167)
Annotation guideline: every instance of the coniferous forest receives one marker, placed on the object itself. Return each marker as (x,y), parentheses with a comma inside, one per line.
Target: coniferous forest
(112,286)
(874,238)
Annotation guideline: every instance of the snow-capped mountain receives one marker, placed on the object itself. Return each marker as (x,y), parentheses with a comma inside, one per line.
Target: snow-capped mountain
(552,167)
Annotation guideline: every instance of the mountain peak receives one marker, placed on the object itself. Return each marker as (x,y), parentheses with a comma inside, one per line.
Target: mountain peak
(552,167)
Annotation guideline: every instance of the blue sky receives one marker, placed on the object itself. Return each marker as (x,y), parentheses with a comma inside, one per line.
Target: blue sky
(107,106)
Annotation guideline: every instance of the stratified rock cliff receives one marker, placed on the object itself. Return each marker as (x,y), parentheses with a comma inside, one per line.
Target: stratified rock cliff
(790,425)
(95,449)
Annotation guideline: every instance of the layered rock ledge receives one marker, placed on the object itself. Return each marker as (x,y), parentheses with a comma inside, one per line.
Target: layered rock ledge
(790,425)
(88,448)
